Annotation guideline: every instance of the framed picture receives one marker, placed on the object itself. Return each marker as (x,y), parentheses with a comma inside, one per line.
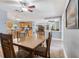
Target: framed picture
(54,25)
(72,15)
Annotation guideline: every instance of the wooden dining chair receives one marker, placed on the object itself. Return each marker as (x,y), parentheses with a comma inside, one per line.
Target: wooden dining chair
(44,51)
(8,49)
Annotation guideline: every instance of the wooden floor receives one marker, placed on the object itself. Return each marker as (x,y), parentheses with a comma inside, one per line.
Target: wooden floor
(56,50)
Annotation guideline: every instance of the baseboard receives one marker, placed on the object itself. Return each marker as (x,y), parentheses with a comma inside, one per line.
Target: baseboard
(64,52)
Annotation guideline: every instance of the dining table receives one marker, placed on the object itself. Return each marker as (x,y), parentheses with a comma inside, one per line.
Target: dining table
(30,44)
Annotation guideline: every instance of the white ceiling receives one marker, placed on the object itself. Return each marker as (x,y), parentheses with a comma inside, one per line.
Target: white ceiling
(44,8)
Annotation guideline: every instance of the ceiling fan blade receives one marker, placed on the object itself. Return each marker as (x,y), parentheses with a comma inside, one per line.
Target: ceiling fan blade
(30,10)
(33,6)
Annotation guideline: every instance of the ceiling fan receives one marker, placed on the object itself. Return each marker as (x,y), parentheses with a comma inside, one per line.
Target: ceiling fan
(26,6)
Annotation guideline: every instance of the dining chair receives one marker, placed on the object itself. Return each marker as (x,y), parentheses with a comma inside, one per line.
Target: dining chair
(44,51)
(8,49)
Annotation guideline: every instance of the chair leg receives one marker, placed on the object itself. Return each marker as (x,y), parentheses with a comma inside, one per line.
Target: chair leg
(48,54)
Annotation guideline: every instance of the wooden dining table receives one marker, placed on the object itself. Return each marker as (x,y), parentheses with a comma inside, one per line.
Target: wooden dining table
(30,44)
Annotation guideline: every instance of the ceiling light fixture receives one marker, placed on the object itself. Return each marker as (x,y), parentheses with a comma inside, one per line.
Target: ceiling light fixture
(24,9)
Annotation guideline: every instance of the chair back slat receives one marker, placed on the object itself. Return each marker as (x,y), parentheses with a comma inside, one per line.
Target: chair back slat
(7,46)
(48,43)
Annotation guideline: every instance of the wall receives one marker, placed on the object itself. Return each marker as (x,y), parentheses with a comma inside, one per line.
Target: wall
(71,38)
(57,34)
(3,18)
